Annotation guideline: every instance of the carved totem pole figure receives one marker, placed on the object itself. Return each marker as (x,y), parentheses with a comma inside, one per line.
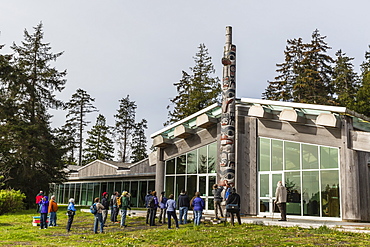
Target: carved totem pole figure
(227,142)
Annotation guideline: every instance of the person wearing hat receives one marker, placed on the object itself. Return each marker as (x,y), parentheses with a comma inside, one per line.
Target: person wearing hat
(125,204)
(105,203)
(163,207)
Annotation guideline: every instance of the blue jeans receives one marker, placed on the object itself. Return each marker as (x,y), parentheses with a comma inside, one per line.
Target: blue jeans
(197,217)
(43,218)
(184,212)
(98,219)
(53,219)
(123,217)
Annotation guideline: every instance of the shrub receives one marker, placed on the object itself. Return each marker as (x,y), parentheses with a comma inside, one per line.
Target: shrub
(11,201)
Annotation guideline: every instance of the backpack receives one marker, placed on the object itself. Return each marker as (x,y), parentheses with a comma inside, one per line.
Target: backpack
(93,209)
(151,202)
(119,202)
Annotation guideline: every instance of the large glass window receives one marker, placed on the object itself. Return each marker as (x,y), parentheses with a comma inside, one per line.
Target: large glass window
(202,160)
(181,164)
(310,173)
(212,157)
(170,166)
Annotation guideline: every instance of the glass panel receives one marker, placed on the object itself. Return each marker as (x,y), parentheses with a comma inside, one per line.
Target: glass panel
(264,154)
(277,155)
(275,179)
(126,186)
(264,205)
(310,158)
(97,190)
(110,188)
(181,164)
(293,186)
(292,159)
(311,193)
(72,191)
(211,182)
(66,192)
(62,197)
(330,194)
(104,187)
(134,193)
(142,192)
(83,193)
(192,162)
(90,195)
(170,181)
(118,187)
(202,185)
(151,185)
(202,159)
(264,185)
(212,157)
(328,157)
(191,185)
(180,185)
(170,166)
(211,205)
(77,194)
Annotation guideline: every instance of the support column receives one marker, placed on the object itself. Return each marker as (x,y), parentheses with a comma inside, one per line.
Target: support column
(159,172)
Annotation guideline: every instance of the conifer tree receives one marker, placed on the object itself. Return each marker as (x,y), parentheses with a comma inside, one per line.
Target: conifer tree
(98,144)
(363,94)
(345,81)
(139,142)
(195,91)
(78,107)
(124,127)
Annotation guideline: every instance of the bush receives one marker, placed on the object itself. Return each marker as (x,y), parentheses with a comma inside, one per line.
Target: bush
(11,201)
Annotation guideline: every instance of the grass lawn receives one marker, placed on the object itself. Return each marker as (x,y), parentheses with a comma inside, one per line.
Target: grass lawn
(16,230)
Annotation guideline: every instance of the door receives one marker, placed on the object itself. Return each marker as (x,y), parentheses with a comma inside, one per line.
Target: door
(205,183)
(267,186)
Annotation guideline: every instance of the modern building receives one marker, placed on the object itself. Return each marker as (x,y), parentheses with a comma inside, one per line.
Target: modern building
(90,181)
(321,153)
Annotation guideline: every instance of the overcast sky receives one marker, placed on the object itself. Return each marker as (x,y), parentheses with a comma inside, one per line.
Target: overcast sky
(114,48)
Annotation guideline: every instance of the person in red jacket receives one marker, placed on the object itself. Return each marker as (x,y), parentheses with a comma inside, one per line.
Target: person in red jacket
(39,197)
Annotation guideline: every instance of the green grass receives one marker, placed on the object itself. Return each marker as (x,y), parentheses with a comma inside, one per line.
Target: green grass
(16,230)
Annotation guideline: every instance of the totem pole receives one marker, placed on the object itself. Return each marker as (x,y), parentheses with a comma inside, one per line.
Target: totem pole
(227,142)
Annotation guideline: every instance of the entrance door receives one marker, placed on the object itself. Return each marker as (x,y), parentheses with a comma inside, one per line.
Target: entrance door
(267,187)
(205,183)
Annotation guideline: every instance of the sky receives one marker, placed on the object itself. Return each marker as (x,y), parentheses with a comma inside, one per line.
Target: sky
(115,48)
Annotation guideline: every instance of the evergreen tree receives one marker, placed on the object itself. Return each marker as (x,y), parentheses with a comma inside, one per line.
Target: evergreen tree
(363,94)
(345,81)
(124,127)
(67,134)
(139,142)
(29,149)
(305,76)
(195,91)
(78,107)
(98,144)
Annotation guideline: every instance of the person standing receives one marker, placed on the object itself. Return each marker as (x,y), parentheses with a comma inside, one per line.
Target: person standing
(146,199)
(114,207)
(44,207)
(38,198)
(53,208)
(98,217)
(125,204)
(153,204)
(105,203)
(71,211)
(171,211)
(233,205)
(184,203)
(198,205)
(217,200)
(281,195)
(162,205)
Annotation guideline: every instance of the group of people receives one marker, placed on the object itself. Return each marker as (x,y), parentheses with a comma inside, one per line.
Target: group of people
(226,201)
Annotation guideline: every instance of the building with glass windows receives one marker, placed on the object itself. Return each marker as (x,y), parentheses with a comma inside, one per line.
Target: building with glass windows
(88,182)
(321,153)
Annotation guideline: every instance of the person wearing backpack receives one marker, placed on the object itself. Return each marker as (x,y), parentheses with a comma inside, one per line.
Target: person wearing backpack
(217,199)
(163,207)
(125,204)
(97,208)
(153,204)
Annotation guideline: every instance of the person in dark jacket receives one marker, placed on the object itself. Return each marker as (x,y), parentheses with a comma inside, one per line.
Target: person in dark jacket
(217,199)
(233,199)
(153,208)
(184,203)
(105,203)
(44,207)
(146,200)
(162,206)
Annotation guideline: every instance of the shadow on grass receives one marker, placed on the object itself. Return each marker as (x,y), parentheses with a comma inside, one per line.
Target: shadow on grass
(5,224)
